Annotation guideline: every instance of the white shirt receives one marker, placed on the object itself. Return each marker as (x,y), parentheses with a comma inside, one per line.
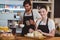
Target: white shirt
(28,15)
(51,24)
(36,15)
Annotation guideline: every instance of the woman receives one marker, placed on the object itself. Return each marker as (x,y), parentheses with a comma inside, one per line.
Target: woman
(46,26)
(28,18)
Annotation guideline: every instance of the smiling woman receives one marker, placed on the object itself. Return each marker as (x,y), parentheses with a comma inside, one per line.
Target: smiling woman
(46,26)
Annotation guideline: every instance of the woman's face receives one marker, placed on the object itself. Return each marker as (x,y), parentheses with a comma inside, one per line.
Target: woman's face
(43,12)
(27,7)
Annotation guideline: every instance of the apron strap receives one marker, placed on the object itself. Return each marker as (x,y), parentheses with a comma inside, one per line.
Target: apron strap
(46,22)
(32,15)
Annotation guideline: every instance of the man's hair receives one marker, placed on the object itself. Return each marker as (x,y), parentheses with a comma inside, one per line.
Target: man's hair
(43,6)
(26,2)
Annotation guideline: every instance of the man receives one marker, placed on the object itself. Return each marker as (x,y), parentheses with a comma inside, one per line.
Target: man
(29,18)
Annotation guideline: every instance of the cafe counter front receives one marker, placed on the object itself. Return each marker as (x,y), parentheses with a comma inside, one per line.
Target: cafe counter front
(7,35)
(25,38)
(10,36)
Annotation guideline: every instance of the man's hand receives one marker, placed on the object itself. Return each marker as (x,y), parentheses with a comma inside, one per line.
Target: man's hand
(32,22)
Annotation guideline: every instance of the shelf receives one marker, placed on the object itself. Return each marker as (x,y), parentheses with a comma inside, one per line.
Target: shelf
(13,19)
(37,10)
(50,11)
(15,8)
(40,2)
(1,8)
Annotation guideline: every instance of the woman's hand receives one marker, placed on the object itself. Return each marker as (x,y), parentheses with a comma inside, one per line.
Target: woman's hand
(40,31)
(31,30)
(50,34)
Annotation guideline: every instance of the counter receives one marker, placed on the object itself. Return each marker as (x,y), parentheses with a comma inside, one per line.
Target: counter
(15,37)
(25,38)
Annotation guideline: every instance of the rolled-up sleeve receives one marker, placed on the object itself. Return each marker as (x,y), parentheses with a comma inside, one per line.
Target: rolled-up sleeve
(51,25)
(36,17)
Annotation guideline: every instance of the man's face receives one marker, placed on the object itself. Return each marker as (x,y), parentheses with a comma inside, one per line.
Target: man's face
(27,7)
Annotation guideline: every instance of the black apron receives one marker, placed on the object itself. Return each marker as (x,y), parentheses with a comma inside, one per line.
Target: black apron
(26,28)
(44,28)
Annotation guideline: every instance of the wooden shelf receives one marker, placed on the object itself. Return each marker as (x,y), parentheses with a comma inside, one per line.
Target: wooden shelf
(49,3)
(40,2)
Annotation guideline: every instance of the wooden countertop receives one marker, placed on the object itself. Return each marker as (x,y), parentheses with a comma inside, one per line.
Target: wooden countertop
(27,38)
(24,38)
(54,38)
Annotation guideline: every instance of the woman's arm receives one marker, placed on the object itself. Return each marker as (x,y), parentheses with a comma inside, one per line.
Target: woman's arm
(51,26)
(50,34)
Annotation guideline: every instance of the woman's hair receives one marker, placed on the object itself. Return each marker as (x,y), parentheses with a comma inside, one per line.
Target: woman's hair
(43,6)
(26,2)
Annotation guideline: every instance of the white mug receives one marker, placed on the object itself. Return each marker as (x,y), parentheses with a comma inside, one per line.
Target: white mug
(21,25)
